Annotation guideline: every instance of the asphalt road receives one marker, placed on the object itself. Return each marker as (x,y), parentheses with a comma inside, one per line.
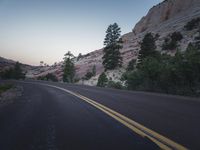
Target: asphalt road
(49,118)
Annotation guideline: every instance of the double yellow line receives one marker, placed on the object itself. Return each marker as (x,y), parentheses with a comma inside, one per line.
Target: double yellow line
(163,142)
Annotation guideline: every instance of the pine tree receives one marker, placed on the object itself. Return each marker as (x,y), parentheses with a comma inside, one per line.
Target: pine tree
(94,70)
(148,47)
(131,65)
(197,42)
(18,74)
(102,80)
(112,57)
(69,69)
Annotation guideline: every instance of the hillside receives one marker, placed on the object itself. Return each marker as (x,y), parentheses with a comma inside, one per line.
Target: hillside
(163,19)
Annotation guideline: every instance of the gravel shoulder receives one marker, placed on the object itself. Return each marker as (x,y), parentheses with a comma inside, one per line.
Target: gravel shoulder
(10,95)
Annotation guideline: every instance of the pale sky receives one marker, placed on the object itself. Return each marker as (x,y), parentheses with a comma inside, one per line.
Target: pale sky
(35,30)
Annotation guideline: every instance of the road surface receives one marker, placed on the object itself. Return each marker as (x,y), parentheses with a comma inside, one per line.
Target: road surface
(56,116)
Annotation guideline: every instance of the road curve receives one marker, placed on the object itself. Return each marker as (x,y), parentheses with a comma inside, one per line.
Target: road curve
(46,118)
(174,117)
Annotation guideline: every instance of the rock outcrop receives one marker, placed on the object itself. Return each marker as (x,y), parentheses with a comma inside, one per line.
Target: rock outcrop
(163,19)
(168,15)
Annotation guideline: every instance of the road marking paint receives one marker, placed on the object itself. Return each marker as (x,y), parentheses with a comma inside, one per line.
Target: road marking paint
(163,142)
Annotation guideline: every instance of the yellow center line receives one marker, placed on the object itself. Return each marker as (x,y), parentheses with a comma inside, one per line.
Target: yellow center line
(163,142)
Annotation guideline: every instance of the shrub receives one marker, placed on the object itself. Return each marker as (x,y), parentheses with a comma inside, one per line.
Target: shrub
(102,80)
(116,85)
(194,23)
(5,87)
(171,42)
(179,74)
(88,75)
(131,65)
(13,73)
(48,77)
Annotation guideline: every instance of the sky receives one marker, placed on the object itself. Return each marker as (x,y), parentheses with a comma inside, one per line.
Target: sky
(44,30)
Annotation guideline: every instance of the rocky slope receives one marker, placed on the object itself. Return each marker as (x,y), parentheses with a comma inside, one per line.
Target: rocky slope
(163,19)
(8,63)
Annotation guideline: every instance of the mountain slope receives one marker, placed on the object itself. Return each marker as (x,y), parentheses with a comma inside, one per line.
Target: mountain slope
(163,19)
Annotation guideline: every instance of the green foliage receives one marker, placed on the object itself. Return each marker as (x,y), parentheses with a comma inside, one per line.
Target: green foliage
(115,85)
(13,73)
(194,23)
(79,56)
(77,80)
(134,80)
(131,65)
(18,74)
(179,74)
(148,47)
(172,42)
(48,77)
(69,69)
(197,39)
(94,70)
(102,80)
(88,75)
(112,57)
(5,87)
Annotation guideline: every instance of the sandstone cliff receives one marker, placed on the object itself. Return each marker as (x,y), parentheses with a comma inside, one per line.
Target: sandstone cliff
(168,15)
(163,19)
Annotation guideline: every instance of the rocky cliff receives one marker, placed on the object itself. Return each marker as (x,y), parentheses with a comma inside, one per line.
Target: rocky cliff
(168,15)
(163,19)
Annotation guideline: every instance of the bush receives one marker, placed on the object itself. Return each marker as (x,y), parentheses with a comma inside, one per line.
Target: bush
(172,42)
(102,80)
(48,77)
(116,85)
(179,74)
(13,73)
(5,87)
(131,65)
(88,75)
(194,23)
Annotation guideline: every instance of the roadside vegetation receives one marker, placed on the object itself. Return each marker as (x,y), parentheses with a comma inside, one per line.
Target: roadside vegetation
(5,87)
(48,77)
(179,74)
(113,43)
(90,74)
(171,42)
(112,57)
(68,69)
(155,71)
(193,24)
(13,72)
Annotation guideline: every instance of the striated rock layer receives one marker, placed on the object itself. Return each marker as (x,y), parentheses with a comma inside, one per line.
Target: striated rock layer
(165,18)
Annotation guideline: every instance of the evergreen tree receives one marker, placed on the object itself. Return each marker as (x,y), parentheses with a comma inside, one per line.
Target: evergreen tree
(69,69)
(79,56)
(112,57)
(94,70)
(88,75)
(197,42)
(13,72)
(102,81)
(148,47)
(18,74)
(131,65)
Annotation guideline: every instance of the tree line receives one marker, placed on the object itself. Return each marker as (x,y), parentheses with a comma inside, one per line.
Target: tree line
(153,70)
(15,72)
